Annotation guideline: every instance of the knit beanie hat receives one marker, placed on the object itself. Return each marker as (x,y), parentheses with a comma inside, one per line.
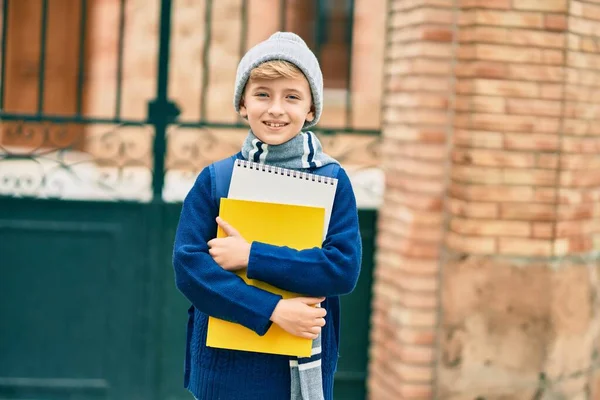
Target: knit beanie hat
(289,47)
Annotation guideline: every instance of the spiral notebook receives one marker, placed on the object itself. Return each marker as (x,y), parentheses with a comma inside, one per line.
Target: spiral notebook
(281,207)
(298,227)
(259,182)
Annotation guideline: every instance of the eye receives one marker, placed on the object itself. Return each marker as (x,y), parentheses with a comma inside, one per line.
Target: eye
(261,94)
(293,97)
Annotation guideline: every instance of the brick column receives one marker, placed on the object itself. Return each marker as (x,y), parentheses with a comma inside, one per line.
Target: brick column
(416,118)
(519,233)
(578,212)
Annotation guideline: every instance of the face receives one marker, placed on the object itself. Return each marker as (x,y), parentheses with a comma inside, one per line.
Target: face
(277,108)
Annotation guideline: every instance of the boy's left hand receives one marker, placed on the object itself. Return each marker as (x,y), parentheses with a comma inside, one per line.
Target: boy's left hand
(231,253)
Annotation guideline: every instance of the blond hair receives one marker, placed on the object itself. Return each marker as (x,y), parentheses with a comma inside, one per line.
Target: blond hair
(276,69)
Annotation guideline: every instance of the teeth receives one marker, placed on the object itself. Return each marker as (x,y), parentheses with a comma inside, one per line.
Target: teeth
(274,125)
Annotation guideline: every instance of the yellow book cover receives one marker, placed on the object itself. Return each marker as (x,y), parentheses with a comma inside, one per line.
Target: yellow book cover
(298,227)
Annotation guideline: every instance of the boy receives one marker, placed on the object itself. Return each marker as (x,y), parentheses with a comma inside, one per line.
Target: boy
(279,90)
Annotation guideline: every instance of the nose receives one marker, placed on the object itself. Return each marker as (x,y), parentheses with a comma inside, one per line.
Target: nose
(275,108)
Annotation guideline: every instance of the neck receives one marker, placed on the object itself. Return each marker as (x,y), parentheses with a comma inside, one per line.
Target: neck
(303,151)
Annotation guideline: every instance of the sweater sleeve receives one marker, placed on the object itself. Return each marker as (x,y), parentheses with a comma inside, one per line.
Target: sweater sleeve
(328,271)
(210,288)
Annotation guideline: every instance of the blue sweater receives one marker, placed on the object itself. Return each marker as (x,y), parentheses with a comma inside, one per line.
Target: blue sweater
(331,271)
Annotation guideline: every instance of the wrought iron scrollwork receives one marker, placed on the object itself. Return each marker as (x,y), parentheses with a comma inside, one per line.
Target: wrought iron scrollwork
(75,161)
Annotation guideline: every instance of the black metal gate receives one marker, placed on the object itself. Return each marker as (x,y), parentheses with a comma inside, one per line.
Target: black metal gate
(88,308)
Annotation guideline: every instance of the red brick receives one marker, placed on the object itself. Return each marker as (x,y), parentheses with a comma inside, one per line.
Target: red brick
(478,139)
(580,195)
(412,373)
(467,174)
(416,355)
(492,193)
(580,162)
(536,142)
(536,73)
(493,158)
(461,208)
(415,134)
(545,194)
(438,35)
(534,107)
(407,231)
(536,38)
(407,5)
(494,4)
(482,69)
(525,247)
(555,22)
(578,211)
(577,228)
(580,244)
(580,178)
(514,54)
(510,18)
(413,266)
(471,244)
(416,336)
(533,212)
(551,91)
(415,201)
(413,318)
(534,177)
(541,5)
(545,160)
(580,145)
(396,180)
(491,227)
(515,123)
(422,284)
(543,230)
(505,88)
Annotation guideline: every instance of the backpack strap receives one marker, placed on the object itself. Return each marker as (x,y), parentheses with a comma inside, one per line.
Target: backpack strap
(220,173)
(329,170)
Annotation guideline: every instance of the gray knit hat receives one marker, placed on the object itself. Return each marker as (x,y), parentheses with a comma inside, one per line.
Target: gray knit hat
(289,47)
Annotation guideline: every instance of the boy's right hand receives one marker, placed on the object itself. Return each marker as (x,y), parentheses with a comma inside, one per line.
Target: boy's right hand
(299,317)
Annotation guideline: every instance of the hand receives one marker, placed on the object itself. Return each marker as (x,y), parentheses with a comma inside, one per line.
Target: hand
(299,317)
(231,253)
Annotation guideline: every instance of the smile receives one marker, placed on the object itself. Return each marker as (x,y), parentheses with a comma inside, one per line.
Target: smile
(275,125)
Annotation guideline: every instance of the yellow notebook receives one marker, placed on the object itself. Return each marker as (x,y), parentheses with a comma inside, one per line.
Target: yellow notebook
(298,227)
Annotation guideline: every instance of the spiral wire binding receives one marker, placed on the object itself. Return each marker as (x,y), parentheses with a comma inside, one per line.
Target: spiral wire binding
(286,172)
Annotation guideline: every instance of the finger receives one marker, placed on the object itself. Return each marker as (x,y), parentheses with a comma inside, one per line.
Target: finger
(320,322)
(309,335)
(315,329)
(215,242)
(320,312)
(228,229)
(311,301)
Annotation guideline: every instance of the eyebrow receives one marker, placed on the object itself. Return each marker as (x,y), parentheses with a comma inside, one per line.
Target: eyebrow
(286,89)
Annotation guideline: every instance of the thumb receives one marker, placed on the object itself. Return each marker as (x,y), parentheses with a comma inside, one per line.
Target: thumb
(311,300)
(228,229)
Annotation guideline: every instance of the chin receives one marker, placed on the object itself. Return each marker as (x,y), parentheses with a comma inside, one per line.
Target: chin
(274,140)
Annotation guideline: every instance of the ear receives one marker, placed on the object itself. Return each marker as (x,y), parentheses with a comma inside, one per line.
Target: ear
(243,109)
(310,117)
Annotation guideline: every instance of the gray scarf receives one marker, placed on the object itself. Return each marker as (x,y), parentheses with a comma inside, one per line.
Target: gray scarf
(304,151)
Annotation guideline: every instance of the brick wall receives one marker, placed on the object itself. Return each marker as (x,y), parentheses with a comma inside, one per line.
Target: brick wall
(492,205)
(416,119)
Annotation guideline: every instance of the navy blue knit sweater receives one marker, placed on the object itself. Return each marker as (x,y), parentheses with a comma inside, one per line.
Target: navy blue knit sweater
(212,374)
